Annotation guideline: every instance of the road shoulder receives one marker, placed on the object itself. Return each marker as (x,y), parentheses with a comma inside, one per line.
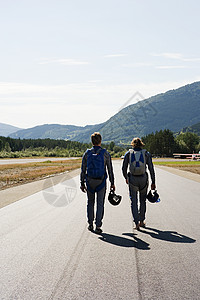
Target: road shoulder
(185,174)
(16,193)
(19,192)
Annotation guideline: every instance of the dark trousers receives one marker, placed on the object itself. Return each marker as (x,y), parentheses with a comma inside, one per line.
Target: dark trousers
(100,199)
(138,187)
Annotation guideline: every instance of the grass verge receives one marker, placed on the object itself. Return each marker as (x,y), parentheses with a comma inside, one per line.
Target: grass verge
(190,166)
(15,174)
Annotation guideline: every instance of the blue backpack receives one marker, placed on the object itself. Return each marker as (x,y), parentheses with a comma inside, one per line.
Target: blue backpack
(95,163)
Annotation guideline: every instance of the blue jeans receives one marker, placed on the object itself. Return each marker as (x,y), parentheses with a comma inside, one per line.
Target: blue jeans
(99,209)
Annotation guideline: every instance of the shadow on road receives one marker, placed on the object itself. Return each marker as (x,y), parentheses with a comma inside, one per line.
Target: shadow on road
(169,236)
(124,242)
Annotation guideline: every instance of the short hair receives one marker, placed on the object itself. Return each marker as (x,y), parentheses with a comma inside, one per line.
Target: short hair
(137,142)
(96,138)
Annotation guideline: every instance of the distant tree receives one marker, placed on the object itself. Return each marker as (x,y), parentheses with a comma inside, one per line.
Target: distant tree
(160,143)
(188,141)
(168,142)
(111,146)
(117,149)
(50,147)
(7,147)
(1,145)
(198,148)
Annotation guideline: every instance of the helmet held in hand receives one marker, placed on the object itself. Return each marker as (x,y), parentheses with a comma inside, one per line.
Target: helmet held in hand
(113,198)
(153,197)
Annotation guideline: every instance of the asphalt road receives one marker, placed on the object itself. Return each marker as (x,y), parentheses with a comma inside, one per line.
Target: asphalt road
(7,161)
(48,253)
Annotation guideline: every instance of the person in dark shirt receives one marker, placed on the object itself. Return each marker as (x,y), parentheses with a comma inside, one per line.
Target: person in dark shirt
(96,186)
(138,184)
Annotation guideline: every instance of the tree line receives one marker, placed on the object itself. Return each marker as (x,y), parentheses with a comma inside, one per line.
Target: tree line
(165,143)
(160,143)
(22,144)
(14,148)
(10,147)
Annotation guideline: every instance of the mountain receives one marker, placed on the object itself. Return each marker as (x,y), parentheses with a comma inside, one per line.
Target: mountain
(54,131)
(6,129)
(194,128)
(173,110)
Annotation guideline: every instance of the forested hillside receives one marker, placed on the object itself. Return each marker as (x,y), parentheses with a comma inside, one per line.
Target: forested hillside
(172,110)
(52,131)
(6,129)
(194,128)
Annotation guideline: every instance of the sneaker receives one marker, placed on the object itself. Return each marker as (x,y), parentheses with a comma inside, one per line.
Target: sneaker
(90,227)
(142,224)
(98,230)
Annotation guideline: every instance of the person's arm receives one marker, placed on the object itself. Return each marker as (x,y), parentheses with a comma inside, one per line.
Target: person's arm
(125,166)
(83,172)
(151,170)
(110,170)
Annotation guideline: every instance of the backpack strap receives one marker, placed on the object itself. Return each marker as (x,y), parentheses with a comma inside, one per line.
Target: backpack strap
(102,150)
(92,150)
(143,156)
(131,156)
(134,158)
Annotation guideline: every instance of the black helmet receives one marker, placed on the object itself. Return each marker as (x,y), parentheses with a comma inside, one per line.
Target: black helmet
(153,196)
(113,198)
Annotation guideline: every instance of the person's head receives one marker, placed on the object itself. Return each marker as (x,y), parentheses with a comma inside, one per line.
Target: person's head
(137,143)
(96,139)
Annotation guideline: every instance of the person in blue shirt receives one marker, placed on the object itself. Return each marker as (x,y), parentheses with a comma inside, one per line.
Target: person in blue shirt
(96,160)
(138,180)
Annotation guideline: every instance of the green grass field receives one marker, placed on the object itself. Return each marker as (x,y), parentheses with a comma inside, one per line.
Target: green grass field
(189,166)
(177,163)
(14,174)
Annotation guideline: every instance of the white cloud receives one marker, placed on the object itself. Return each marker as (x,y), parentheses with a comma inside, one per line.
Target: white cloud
(95,81)
(170,67)
(178,56)
(137,65)
(169,55)
(63,61)
(191,59)
(114,55)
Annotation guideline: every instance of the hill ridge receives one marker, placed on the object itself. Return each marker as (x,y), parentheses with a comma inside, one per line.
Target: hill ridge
(6,129)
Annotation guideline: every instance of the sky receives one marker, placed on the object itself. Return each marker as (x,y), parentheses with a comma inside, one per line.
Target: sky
(79,62)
